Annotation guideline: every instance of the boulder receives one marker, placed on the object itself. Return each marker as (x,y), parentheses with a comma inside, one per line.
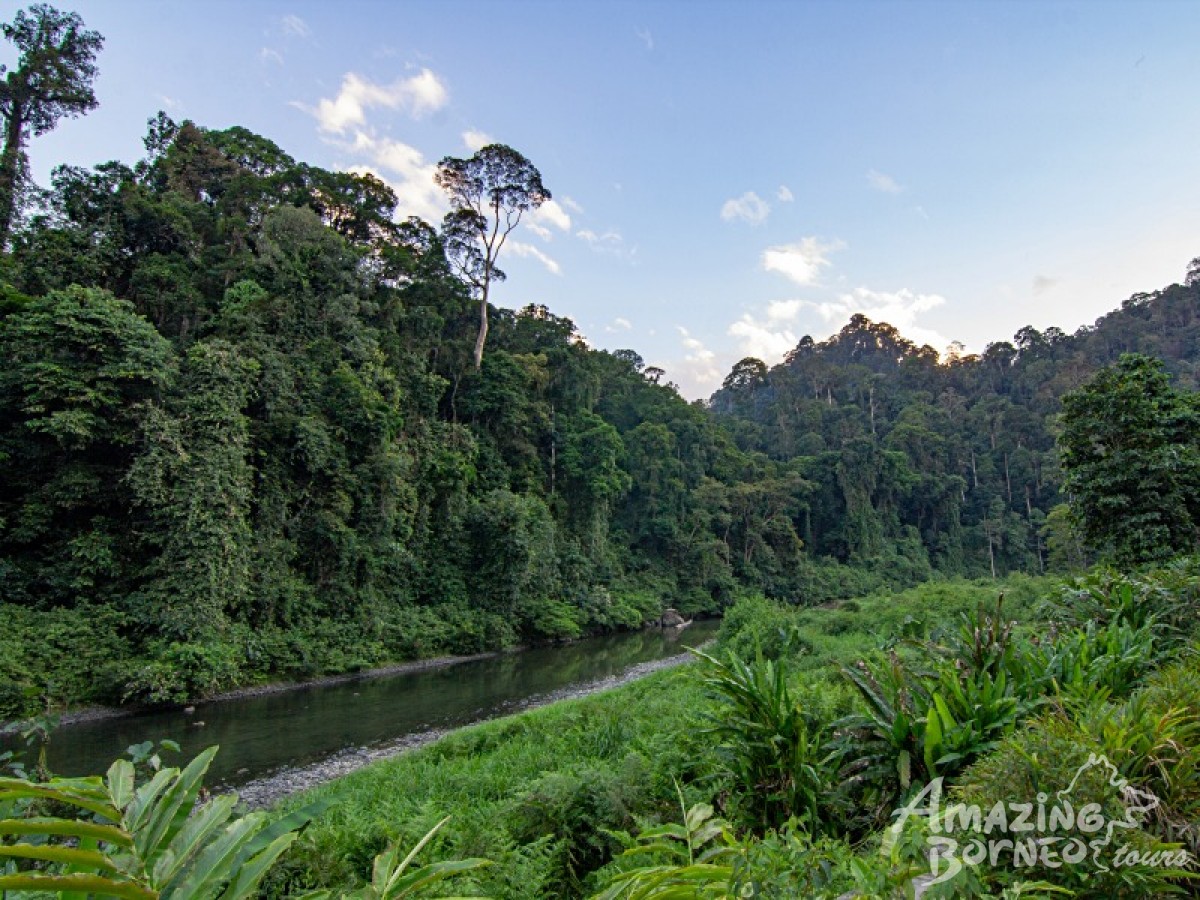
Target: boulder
(672,619)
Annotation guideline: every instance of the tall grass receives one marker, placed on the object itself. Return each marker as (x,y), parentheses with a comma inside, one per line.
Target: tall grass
(540,792)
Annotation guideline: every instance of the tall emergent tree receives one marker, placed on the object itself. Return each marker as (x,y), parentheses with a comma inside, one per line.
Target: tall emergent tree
(52,79)
(488,195)
(1130,447)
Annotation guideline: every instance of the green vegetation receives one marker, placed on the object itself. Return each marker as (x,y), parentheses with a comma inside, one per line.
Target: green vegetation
(546,794)
(139,841)
(249,433)
(1130,446)
(162,838)
(785,770)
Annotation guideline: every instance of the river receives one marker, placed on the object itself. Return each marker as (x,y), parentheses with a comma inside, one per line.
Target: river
(305,728)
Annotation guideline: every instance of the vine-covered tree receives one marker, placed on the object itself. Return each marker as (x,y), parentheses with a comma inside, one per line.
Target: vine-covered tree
(52,79)
(1130,447)
(488,195)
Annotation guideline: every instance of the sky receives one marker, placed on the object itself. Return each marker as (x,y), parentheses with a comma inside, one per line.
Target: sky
(727,177)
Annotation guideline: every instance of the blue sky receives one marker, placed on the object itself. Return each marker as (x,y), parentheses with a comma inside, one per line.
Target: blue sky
(727,176)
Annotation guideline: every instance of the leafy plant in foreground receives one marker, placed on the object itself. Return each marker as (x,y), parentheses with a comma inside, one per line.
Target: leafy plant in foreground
(781,760)
(699,860)
(392,879)
(139,842)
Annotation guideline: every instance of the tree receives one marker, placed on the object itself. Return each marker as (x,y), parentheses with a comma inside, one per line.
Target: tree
(488,195)
(52,79)
(1129,450)
(746,375)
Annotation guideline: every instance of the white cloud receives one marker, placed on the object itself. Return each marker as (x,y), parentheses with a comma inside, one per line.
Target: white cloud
(620,323)
(784,310)
(475,140)
(802,261)
(882,182)
(610,243)
(550,213)
(294,26)
(529,251)
(540,230)
(169,102)
(422,93)
(761,340)
(900,309)
(405,169)
(572,205)
(267,55)
(609,238)
(645,37)
(699,368)
(784,194)
(749,208)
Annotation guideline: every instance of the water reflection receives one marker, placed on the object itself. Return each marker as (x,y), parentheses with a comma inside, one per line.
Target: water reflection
(261,734)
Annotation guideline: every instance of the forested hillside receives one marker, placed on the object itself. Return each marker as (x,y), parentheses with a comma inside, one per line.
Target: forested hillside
(947,461)
(243,437)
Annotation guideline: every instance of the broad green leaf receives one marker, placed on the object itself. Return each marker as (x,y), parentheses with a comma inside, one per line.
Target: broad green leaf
(23,789)
(81,883)
(431,874)
(172,811)
(92,860)
(192,837)
(213,866)
(251,872)
(294,821)
(120,780)
(144,799)
(66,828)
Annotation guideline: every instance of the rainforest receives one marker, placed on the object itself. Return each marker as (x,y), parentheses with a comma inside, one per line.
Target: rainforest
(258,427)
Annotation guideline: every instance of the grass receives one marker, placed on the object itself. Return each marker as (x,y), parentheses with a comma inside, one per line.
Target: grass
(536,792)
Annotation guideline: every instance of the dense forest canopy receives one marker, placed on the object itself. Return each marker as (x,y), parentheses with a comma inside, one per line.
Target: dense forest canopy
(243,429)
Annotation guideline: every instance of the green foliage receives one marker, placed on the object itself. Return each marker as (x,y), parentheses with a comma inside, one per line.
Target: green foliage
(1132,464)
(755,626)
(697,860)
(779,757)
(245,410)
(392,878)
(1167,599)
(181,671)
(138,841)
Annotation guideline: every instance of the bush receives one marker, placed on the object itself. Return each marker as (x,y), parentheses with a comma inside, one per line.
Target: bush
(777,753)
(1053,754)
(756,626)
(579,806)
(182,672)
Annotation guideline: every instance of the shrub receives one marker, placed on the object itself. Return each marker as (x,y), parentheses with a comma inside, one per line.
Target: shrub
(755,626)
(180,672)
(1052,755)
(778,755)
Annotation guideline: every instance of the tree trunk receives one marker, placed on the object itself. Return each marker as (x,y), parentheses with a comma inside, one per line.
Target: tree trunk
(10,171)
(483,329)
(991,550)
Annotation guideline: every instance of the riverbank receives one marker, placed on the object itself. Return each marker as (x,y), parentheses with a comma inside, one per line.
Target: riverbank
(99,713)
(267,791)
(541,793)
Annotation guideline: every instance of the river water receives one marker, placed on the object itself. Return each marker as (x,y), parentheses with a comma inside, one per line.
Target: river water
(265,734)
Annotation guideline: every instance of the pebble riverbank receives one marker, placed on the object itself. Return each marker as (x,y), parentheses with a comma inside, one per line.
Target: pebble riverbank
(263,792)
